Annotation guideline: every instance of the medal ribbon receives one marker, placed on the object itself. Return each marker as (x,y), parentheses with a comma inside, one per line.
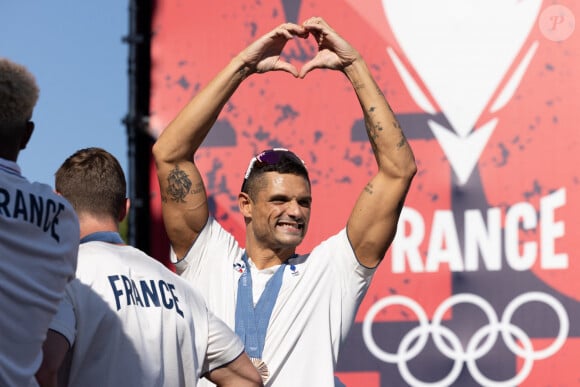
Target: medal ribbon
(104,236)
(252,323)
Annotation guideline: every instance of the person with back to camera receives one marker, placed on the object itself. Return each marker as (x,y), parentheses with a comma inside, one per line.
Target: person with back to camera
(127,319)
(39,237)
(292,311)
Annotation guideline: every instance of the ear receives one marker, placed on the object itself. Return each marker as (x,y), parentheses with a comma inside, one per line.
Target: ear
(27,134)
(245,204)
(124,209)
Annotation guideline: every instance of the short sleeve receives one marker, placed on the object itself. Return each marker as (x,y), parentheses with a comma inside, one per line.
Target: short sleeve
(213,241)
(223,346)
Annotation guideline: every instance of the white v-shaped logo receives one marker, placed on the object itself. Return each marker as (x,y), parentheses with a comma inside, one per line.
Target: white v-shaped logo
(462,51)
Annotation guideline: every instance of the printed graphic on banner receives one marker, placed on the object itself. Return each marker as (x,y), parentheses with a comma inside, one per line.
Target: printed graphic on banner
(480,285)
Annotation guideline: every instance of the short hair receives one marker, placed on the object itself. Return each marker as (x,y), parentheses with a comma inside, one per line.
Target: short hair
(93,181)
(279,160)
(18,93)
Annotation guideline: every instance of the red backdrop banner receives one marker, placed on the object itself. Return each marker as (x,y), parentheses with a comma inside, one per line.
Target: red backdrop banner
(480,287)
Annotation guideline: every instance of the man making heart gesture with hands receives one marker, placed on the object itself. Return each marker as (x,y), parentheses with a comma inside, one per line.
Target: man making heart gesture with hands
(293,312)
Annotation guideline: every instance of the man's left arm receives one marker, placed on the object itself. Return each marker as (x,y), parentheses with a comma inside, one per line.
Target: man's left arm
(373,222)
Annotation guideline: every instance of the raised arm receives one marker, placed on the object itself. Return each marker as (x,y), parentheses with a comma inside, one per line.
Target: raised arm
(184,200)
(372,224)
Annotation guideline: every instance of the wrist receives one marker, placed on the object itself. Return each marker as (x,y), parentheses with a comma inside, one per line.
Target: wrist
(242,67)
(356,69)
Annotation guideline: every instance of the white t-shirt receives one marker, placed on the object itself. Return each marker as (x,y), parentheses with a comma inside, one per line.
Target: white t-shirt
(39,238)
(133,322)
(313,314)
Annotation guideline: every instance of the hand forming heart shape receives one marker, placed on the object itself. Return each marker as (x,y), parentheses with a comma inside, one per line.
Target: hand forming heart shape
(333,51)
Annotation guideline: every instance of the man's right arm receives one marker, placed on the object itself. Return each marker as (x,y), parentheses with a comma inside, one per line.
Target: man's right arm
(238,373)
(225,362)
(184,200)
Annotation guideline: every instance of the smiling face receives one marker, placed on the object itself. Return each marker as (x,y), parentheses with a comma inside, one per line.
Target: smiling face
(278,215)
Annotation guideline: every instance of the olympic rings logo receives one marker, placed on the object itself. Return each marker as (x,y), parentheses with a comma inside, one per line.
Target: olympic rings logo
(478,345)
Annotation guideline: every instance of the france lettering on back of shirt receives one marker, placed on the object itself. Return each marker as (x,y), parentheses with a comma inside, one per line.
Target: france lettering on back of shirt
(144,293)
(34,209)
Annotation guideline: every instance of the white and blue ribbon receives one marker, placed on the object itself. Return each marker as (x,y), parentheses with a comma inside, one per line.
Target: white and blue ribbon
(252,322)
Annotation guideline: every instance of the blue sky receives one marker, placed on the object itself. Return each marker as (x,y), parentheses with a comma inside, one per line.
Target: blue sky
(75,50)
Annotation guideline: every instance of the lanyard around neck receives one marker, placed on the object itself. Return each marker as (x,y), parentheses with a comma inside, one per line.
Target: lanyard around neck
(252,322)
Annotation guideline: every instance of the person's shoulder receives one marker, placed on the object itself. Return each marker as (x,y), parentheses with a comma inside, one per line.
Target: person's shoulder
(48,192)
(150,264)
(51,198)
(340,237)
(97,259)
(38,210)
(182,288)
(186,288)
(42,188)
(111,253)
(331,247)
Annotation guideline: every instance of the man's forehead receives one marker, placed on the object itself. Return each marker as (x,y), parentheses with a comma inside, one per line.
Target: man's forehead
(285,182)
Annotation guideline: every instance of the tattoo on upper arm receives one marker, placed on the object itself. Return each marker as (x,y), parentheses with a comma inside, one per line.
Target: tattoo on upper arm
(178,185)
(369,189)
(372,135)
(198,188)
(402,142)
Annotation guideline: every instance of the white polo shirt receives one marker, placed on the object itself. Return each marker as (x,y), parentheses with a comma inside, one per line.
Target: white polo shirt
(313,314)
(39,238)
(133,322)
